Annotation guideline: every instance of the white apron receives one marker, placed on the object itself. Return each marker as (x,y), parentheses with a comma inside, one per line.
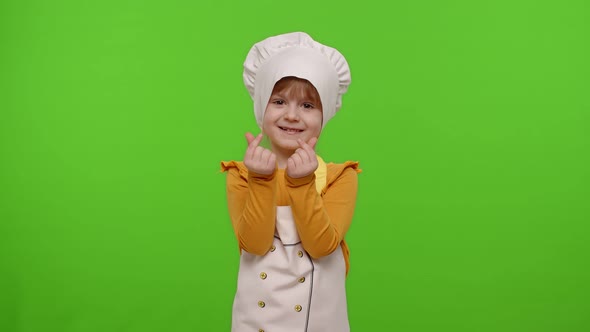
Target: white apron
(288,291)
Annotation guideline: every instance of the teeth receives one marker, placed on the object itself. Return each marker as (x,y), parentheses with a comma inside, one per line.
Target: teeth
(291,130)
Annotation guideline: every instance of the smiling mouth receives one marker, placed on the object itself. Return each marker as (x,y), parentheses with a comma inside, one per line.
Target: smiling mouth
(290,130)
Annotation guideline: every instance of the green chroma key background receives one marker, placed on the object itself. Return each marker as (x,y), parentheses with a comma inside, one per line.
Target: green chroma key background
(470,120)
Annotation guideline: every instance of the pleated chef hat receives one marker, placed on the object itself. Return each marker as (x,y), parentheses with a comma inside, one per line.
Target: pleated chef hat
(296,54)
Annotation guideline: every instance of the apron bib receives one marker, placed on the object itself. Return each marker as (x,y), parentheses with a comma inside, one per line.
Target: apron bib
(288,291)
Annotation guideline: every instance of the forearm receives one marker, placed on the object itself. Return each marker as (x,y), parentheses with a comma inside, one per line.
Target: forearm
(322,222)
(253,210)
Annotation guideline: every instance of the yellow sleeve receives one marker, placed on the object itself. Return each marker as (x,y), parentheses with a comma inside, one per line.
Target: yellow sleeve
(252,207)
(322,221)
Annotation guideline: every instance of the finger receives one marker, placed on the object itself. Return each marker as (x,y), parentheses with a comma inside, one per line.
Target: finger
(249,137)
(290,163)
(306,150)
(258,153)
(272,160)
(310,145)
(303,154)
(252,144)
(297,159)
(256,141)
(312,142)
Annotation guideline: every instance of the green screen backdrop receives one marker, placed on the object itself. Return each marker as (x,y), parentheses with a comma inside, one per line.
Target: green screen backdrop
(470,120)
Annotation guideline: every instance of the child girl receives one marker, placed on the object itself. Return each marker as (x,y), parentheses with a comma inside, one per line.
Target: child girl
(290,211)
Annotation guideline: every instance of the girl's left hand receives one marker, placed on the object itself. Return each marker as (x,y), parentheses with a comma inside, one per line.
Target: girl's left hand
(303,161)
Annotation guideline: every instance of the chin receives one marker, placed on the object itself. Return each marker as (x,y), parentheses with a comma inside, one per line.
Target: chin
(292,147)
(289,146)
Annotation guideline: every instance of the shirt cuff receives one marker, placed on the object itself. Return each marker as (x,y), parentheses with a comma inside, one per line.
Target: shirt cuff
(264,177)
(298,182)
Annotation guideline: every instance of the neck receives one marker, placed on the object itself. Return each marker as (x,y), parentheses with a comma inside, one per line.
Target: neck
(282,156)
(282,159)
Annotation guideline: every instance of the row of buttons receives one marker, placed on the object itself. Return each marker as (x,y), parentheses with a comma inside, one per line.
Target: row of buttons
(297,308)
(263,276)
(299,253)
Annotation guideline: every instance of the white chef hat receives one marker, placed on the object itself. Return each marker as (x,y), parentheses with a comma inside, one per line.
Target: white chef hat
(296,54)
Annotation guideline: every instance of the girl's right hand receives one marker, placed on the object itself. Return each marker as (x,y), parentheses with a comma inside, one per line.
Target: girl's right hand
(258,159)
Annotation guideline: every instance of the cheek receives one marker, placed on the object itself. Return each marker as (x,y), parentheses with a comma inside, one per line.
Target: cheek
(316,120)
(267,118)
(270,113)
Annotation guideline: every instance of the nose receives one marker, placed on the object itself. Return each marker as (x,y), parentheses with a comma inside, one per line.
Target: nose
(292,113)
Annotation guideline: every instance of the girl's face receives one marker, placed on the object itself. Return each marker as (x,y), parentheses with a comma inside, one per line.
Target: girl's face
(294,111)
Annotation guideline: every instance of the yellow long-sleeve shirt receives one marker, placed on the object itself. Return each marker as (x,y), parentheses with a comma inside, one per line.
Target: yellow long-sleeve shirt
(321,220)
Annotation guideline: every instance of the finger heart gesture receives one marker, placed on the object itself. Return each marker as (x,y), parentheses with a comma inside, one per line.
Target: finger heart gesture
(303,161)
(258,159)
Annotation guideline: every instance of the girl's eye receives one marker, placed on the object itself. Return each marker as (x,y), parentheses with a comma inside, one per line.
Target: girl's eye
(307,105)
(279,102)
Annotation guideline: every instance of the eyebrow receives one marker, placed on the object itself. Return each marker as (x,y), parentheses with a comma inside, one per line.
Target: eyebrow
(277,95)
